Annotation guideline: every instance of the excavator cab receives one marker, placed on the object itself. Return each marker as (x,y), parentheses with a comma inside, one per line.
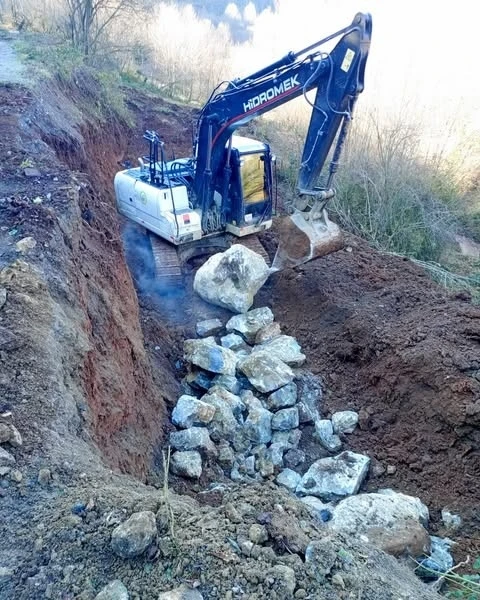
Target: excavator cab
(250,207)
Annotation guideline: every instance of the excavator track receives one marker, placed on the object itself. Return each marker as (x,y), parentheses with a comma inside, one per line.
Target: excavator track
(168,269)
(169,260)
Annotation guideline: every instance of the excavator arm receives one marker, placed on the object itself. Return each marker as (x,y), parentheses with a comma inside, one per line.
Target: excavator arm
(337,76)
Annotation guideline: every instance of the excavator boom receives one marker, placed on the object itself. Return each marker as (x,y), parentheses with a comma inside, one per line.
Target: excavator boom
(338,78)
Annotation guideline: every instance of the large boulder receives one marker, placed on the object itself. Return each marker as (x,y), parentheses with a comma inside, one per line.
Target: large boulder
(208,355)
(193,438)
(258,425)
(329,440)
(284,347)
(266,372)
(218,393)
(134,536)
(208,327)
(191,411)
(334,477)
(186,464)
(309,397)
(283,397)
(232,278)
(344,421)
(250,323)
(224,425)
(392,521)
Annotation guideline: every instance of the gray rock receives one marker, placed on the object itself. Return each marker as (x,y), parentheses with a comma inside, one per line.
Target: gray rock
(135,535)
(267,333)
(335,476)
(6,459)
(25,244)
(317,508)
(5,433)
(224,425)
(16,476)
(250,465)
(31,172)
(323,554)
(289,439)
(285,419)
(440,559)
(309,397)
(228,382)
(344,421)
(218,394)
(250,323)
(266,373)
(209,327)
(181,593)
(284,581)
(186,464)
(232,341)
(4,471)
(193,438)
(385,520)
(250,400)
(232,278)
(3,297)
(198,379)
(226,455)
(288,479)
(258,425)
(450,520)
(113,591)
(257,534)
(210,356)
(284,397)
(325,435)
(190,411)
(5,574)
(284,347)
(294,457)
(274,454)
(265,466)
(44,476)
(15,437)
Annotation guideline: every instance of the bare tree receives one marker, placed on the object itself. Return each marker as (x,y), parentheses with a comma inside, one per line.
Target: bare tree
(89,20)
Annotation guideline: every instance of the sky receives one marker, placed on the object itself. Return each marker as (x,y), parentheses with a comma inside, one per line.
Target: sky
(423,52)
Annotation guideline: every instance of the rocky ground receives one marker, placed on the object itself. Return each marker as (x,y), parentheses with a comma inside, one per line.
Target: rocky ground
(90,372)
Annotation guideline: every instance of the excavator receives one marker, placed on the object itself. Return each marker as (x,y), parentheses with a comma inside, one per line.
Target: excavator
(224,193)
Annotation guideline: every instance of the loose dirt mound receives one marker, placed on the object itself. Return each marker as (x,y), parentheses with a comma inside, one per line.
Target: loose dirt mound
(390,343)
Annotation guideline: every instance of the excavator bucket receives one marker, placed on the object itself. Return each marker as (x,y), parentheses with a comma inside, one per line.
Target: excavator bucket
(302,238)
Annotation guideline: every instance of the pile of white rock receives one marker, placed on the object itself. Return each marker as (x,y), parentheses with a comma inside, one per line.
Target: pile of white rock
(246,401)
(244,409)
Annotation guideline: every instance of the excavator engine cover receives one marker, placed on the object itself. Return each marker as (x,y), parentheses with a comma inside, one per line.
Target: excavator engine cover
(302,238)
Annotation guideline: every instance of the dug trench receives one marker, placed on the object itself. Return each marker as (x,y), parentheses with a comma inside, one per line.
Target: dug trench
(386,341)
(90,366)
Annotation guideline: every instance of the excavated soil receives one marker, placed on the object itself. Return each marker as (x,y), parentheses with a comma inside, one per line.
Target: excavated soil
(385,339)
(391,344)
(88,367)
